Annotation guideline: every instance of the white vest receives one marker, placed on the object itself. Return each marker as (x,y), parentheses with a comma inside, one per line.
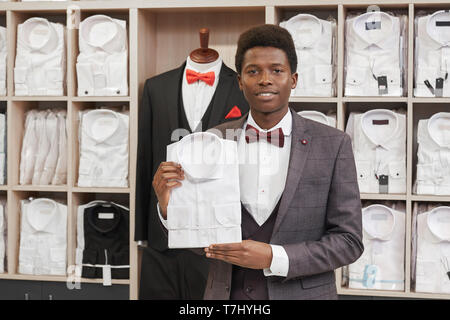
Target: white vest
(206,209)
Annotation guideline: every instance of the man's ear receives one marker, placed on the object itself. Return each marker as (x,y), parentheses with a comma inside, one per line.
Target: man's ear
(239,81)
(294,80)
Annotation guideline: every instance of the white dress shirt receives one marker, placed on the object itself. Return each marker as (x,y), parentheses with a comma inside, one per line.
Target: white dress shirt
(379,146)
(372,53)
(3,55)
(43,237)
(433,54)
(102,65)
(382,265)
(29,148)
(2,148)
(52,133)
(433,155)
(40,58)
(313,39)
(103,149)
(60,176)
(2,239)
(433,251)
(206,210)
(329,120)
(43,146)
(198,95)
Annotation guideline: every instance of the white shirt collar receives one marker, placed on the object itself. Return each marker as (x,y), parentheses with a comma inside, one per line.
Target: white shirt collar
(431,128)
(114,37)
(214,66)
(385,143)
(378,215)
(306,30)
(201,156)
(384,36)
(435,219)
(316,116)
(433,31)
(100,124)
(285,124)
(41,215)
(51,38)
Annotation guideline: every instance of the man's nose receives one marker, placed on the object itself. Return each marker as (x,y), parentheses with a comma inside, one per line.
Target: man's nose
(265,79)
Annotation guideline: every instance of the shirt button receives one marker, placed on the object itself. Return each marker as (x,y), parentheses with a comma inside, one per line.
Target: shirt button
(249,290)
(227,288)
(86,92)
(118,91)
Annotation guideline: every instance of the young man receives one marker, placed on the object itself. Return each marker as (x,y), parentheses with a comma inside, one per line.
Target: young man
(301,211)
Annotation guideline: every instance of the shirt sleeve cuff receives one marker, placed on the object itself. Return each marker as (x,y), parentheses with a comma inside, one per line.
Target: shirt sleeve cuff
(280,263)
(164,222)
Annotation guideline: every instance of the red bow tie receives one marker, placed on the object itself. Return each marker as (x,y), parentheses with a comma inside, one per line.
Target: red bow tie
(275,137)
(192,76)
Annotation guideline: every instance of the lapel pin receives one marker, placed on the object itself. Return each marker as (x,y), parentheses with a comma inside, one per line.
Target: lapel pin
(304,141)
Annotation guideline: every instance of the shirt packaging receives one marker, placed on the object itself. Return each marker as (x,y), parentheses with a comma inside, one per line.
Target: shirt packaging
(433,155)
(3,55)
(103,241)
(432,237)
(40,58)
(102,65)
(43,237)
(375,44)
(103,149)
(379,146)
(381,266)
(44,148)
(207,208)
(432,54)
(314,41)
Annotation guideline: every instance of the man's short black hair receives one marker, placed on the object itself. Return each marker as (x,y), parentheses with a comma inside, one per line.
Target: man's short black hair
(266,35)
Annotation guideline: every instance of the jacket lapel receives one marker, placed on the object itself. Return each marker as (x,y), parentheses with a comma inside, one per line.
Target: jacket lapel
(173,96)
(297,160)
(226,78)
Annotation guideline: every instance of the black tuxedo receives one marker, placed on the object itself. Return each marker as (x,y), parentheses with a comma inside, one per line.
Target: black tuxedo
(161,112)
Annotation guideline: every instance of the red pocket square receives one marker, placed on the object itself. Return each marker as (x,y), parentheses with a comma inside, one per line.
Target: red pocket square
(234,113)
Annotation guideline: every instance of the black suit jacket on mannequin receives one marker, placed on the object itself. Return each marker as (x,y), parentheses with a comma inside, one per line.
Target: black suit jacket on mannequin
(159,116)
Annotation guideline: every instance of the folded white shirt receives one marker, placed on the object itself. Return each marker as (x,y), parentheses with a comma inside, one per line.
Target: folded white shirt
(433,155)
(43,237)
(329,120)
(3,55)
(52,133)
(433,55)
(29,148)
(102,65)
(313,39)
(433,251)
(373,52)
(60,176)
(43,146)
(379,146)
(40,58)
(382,265)
(200,213)
(103,149)
(2,148)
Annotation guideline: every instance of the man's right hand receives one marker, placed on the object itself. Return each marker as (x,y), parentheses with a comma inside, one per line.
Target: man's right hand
(166,178)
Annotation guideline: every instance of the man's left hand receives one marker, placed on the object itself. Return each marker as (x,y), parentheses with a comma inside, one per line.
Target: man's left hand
(248,254)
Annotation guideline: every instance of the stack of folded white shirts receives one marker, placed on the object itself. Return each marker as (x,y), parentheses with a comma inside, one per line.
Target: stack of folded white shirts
(313,39)
(433,155)
(2,148)
(103,148)
(329,119)
(102,65)
(40,58)
(2,238)
(3,54)
(44,148)
(43,237)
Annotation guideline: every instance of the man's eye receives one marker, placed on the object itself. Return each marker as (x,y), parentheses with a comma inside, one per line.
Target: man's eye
(252,71)
(277,70)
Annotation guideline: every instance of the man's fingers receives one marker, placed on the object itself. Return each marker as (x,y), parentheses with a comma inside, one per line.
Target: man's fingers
(226,246)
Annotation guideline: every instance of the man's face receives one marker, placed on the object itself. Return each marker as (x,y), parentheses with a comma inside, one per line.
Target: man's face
(266,79)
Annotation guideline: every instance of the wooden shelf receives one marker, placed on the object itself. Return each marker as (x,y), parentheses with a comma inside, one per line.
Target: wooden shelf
(40,188)
(101,190)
